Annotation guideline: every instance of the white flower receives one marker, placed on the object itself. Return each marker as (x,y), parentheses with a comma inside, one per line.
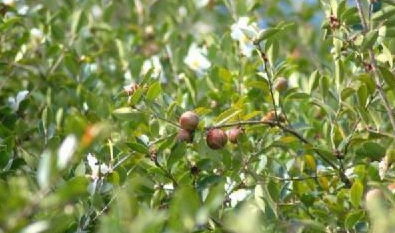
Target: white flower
(96,11)
(201,3)
(202,29)
(229,184)
(182,12)
(168,186)
(245,33)
(154,63)
(66,150)
(9,2)
(14,102)
(37,34)
(238,196)
(349,172)
(383,167)
(23,10)
(196,59)
(36,227)
(96,167)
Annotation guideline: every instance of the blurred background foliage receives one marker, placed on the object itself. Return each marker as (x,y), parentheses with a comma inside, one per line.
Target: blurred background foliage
(90,92)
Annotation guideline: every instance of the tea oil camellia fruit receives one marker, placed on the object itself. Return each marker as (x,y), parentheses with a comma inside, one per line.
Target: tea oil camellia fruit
(184,136)
(281,84)
(233,134)
(216,139)
(189,120)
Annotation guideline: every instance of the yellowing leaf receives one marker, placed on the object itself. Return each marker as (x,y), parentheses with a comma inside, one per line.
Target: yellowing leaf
(310,161)
(288,139)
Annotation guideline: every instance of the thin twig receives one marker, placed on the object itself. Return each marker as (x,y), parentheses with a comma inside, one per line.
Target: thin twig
(375,69)
(168,174)
(301,178)
(285,129)
(269,76)
(158,117)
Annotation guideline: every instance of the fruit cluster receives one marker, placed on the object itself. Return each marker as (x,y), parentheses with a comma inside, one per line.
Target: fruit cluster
(216,138)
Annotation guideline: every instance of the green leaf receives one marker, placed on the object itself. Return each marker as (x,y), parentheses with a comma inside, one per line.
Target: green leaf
(125,113)
(177,153)
(262,85)
(346,92)
(353,218)
(356,193)
(388,76)
(154,91)
(182,215)
(138,147)
(384,13)
(215,196)
(79,20)
(225,75)
(227,115)
(266,34)
(297,95)
(371,150)
(369,39)
(136,96)
(362,95)
(73,188)
(314,80)
(350,16)
(272,50)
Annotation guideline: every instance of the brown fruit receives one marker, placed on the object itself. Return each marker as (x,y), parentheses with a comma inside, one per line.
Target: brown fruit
(216,139)
(189,120)
(184,136)
(233,134)
(281,84)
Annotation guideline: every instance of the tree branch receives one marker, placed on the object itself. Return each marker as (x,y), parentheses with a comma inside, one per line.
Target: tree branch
(375,69)
(300,137)
(269,76)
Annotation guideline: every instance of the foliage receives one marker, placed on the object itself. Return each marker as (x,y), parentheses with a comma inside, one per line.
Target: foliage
(91,93)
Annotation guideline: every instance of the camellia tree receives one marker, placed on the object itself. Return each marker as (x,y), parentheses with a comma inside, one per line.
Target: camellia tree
(197,116)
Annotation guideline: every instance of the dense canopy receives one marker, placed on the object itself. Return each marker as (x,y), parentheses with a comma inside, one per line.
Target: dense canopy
(197,116)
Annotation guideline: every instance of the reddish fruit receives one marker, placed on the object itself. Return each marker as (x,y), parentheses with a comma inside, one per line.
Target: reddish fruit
(233,134)
(281,84)
(189,120)
(184,136)
(216,139)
